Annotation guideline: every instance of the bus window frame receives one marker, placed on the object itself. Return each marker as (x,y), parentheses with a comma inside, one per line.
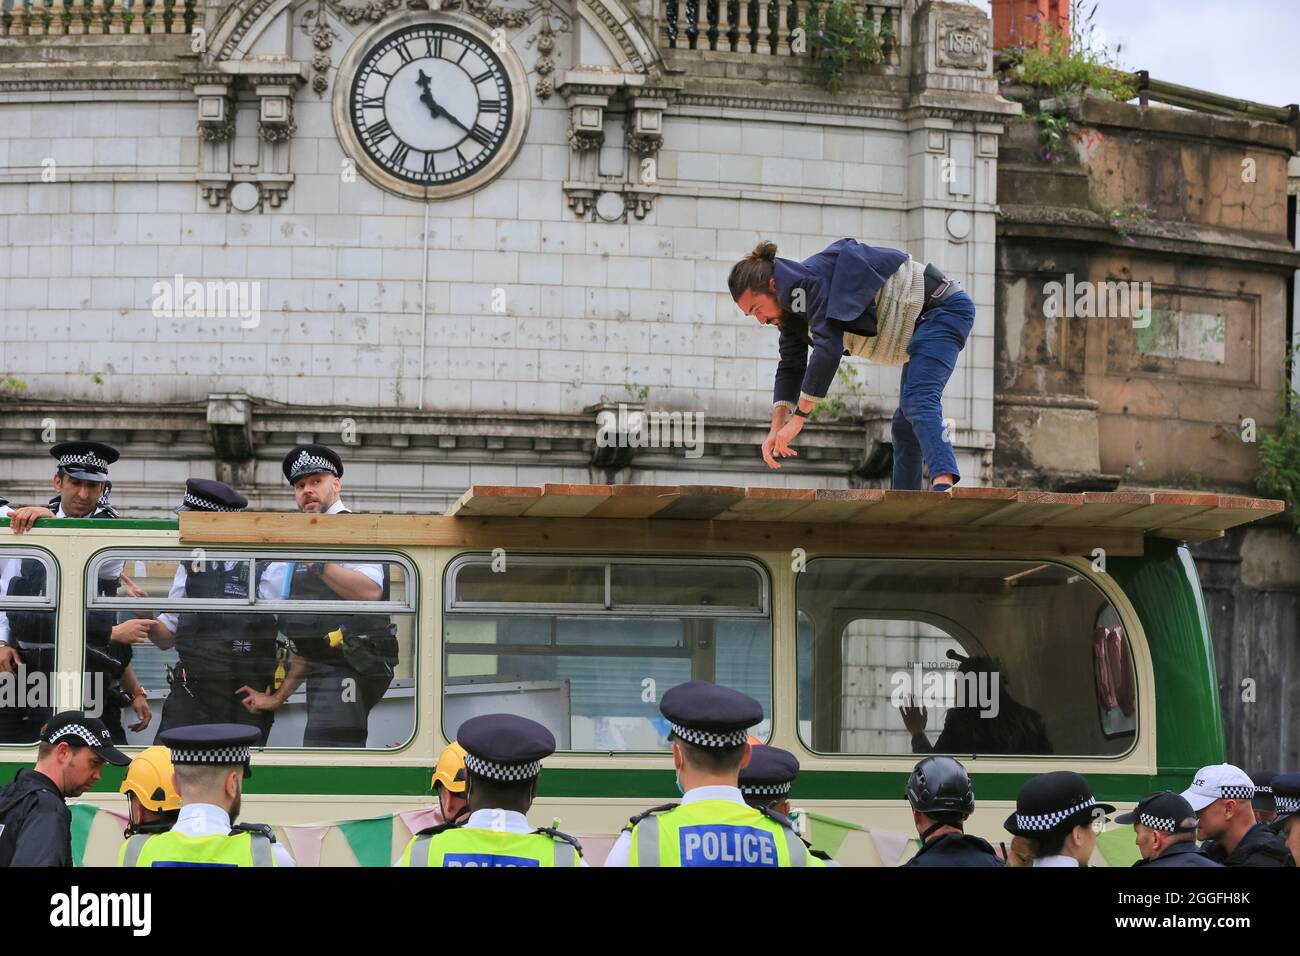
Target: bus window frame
(592,612)
(166,604)
(50,601)
(607,608)
(1135,736)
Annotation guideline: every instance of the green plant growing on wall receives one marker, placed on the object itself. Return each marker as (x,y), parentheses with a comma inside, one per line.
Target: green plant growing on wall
(10,385)
(1065,65)
(1126,214)
(832,408)
(1279,454)
(839,42)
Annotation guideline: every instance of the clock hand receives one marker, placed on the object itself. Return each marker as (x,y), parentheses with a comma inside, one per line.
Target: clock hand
(426,97)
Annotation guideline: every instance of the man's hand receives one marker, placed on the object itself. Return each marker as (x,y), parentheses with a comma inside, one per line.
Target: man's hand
(10,659)
(142,712)
(256,702)
(22,520)
(789,431)
(131,632)
(914,717)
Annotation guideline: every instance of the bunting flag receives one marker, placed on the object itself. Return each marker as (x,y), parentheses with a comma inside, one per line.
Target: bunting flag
(891,846)
(83,816)
(417,820)
(371,840)
(305,843)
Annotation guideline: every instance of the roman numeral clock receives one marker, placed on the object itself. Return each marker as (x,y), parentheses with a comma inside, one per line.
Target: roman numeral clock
(428,107)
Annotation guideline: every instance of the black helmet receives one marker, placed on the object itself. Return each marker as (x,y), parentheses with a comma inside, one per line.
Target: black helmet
(940,785)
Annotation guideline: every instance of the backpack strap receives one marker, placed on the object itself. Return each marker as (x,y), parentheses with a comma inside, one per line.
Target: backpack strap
(631,824)
(257,829)
(567,849)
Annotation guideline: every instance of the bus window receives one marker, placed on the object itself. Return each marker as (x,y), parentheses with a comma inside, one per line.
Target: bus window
(914,656)
(28,683)
(586,646)
(319,652)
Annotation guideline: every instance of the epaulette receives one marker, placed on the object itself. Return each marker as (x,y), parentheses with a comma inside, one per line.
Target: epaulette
(558,835)
(257,829)
(649,813)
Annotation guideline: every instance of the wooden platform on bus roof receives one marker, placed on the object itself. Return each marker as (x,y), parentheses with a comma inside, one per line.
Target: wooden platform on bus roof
(987,520)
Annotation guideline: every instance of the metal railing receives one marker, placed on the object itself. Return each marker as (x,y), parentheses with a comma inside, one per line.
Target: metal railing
(765,27)
(80,17)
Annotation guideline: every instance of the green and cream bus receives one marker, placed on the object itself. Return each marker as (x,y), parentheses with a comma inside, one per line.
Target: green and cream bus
(843,612)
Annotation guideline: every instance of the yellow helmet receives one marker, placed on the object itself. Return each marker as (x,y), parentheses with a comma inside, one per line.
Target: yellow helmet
(451,769)
(150,778)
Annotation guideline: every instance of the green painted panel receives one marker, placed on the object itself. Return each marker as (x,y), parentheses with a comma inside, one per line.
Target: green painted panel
(1166,593)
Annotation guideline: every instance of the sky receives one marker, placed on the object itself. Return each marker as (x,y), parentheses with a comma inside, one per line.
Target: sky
(1242,48)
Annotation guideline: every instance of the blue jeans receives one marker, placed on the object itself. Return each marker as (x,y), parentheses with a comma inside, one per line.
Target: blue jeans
(918,422)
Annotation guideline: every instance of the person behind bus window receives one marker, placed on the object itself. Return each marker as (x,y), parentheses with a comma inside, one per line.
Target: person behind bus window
(218,653)
(971,727)
(346,660)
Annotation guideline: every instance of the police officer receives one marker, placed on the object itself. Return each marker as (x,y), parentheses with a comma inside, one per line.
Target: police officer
(82,489)
(765,783)
(503,760)
(712,826)
(153,804)
(1221,796)
(347,661)
(212,762)
(942,799)
(1286,793)
(449,783)
(1262,803)
(35,823)
(1165,827)
(1055,815)
(218,653)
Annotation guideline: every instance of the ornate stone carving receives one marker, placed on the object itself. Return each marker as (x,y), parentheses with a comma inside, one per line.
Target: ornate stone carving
(583,140)
(316,24)
(277,132)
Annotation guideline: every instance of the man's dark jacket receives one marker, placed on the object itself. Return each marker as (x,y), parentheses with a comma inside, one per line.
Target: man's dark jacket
(1181,854)
(955,849)
(1259,847)
(37,823)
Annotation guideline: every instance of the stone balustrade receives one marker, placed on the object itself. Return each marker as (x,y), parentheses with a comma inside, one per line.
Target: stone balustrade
(80,17)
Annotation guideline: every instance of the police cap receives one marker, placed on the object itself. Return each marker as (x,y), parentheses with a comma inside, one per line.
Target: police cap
(311,460)
(769,773)
(204,494)
(1165,811)
(211,745)
(505,747)
(85,460)
(709,715)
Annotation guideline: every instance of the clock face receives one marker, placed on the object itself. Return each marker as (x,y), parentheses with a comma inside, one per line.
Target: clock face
(431,104)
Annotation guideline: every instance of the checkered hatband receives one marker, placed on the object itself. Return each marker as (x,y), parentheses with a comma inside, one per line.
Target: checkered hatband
(203,504)
(214,755)
(765,789)
(309,464)
(1237,792)
(89,459)
(1157,823)
(1050,821)
(1287,804)
(76,730)
(709,739)
(505,772)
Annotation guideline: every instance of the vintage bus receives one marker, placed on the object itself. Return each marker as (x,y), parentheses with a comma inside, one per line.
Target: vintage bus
(1077,621)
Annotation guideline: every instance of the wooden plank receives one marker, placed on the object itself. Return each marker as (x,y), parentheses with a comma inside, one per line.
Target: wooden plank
(769,504)
(966,506)
(1166,508)
(839,504)
(635,501)
(633,536)
(483,500)
(1231,511)
(900,507)
(1100,507)
(568,501)
(1031,509)
(701,502)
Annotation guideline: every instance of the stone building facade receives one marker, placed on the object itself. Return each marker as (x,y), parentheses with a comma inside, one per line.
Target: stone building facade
(446,337)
